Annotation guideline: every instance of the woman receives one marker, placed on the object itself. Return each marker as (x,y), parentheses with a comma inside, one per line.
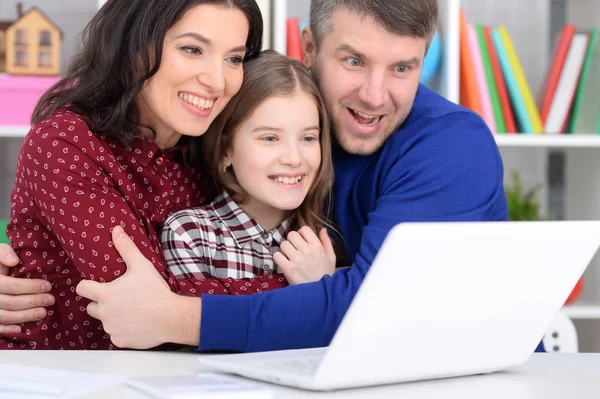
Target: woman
(108,146)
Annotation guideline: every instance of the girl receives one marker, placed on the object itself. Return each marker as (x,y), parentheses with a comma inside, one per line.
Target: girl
(270,153)
(107,146)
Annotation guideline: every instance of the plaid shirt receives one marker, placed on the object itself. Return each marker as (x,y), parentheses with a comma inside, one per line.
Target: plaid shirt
(220,249)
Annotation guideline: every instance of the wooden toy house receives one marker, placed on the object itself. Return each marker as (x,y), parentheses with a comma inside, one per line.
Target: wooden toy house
(30,45)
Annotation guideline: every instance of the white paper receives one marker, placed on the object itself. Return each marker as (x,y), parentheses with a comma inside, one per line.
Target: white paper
(17,381)
(202,385)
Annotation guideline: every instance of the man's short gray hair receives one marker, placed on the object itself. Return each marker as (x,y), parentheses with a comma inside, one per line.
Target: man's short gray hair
(407,18)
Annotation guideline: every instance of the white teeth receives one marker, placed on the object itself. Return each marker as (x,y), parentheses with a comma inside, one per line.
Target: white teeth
(197,102)
(374,119)
(287,180)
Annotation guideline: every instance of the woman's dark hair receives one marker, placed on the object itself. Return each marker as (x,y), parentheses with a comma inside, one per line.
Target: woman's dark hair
(271,75)
(122,49)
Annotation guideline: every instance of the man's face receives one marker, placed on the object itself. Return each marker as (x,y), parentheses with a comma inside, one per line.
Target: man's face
(368,77)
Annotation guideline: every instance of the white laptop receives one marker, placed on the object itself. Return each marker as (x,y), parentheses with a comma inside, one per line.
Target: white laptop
(440,300)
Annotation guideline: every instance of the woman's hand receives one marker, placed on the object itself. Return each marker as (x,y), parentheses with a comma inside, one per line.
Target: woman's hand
(306,257)
(21,300)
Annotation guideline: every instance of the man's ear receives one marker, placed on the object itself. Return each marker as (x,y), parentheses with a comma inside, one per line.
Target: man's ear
(308,47)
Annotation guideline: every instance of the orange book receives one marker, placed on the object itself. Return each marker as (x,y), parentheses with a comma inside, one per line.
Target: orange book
(294,46)
(507,113)
(469,94)
(557,62)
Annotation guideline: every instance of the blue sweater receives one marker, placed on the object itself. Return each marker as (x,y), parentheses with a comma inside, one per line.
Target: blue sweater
(442,164)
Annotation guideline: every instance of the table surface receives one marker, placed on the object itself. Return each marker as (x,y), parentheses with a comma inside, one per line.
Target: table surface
(544,376)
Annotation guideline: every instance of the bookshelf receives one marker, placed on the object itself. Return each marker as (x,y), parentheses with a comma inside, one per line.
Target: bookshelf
(533,24)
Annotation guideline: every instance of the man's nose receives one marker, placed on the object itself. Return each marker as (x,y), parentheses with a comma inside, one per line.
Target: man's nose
(373,92)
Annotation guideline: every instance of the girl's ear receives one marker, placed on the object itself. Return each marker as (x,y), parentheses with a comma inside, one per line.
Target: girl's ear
(227,160)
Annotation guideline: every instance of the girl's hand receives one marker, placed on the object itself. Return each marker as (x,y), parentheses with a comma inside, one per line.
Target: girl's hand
(304,257)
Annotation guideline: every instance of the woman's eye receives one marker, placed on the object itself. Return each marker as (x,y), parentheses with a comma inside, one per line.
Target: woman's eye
(353,61)
(236,60)
(192,50)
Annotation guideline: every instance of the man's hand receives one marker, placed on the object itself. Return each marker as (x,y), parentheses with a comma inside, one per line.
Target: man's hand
(304,257)
(138,310)
(21,300)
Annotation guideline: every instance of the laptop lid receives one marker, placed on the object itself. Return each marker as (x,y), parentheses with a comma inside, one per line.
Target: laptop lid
(449,299)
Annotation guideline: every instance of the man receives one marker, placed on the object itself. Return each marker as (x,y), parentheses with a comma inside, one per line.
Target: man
(404,154)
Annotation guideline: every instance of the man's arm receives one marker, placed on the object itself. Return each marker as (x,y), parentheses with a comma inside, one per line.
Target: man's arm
(128,316)
(459,178)
(21,300)
(453,173)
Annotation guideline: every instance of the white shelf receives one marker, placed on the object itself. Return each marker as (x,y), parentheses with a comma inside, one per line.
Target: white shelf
(545,140)
(582,310)
(13,131)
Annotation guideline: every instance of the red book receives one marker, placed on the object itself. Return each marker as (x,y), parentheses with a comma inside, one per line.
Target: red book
(507,113)
(557,61)
(294,46)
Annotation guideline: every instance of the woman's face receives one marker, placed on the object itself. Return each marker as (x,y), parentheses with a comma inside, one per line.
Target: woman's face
(200,70)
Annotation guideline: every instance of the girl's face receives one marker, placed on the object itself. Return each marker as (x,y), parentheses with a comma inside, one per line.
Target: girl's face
(276,156)
(200,70)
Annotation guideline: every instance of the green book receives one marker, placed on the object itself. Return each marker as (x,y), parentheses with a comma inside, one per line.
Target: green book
(489,77)
(585,115)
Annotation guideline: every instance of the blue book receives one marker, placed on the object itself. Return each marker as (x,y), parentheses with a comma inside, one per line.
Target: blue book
(512,86)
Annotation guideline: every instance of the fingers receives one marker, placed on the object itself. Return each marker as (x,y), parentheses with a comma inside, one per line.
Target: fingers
(327,244)
(10,329)
(127,249)
(297,241)
(21,286)
(23,316)
(93,309)
(281,261)
(8,258)
(289,251)
(24,302)
(91,290)
(308,235)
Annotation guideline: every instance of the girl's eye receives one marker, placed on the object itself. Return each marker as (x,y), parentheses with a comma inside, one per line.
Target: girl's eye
(192,50)
(270,139)
(310,138)
(236,60)
(353,61)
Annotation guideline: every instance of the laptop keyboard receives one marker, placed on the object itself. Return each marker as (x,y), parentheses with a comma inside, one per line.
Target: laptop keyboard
(304,366)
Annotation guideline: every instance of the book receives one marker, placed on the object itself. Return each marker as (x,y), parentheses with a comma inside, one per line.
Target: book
(469,96)
(533,114)
(586,107)
(482,87)
(489,77)
(516,99)
(556,64)
(507,113)
(567,85)
(294,45)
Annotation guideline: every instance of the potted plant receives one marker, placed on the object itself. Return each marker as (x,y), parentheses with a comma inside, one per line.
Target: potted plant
(524,205)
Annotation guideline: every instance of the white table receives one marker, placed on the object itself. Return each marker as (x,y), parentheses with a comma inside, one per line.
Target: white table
(544,376)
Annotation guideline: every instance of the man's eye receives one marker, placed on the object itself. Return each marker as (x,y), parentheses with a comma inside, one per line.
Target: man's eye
(402,68)
(353,61)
